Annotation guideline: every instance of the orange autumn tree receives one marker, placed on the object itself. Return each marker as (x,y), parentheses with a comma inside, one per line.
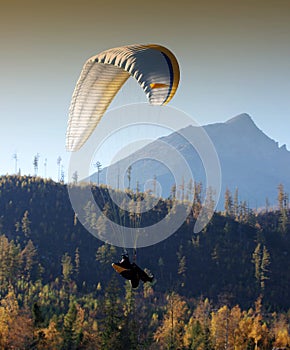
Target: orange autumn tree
(16,326)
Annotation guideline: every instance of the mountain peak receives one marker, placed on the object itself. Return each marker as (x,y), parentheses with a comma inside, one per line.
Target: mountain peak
(240,118)
(243,123)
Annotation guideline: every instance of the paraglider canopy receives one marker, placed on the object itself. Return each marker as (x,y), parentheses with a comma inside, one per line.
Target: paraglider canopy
(153,66)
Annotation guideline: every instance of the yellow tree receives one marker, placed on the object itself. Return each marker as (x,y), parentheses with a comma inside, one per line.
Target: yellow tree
(259,332)
(235,318)
(169,335)
(224,325)
(219,328)
(243,330)
(280,332)
(52,338)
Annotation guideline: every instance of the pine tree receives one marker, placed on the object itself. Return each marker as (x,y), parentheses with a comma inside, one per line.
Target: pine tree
(10,264)
(197,330)
(71,333)
(283,209)
(110,332)
(25,224)
(67,268)
(173,192)
(265,263)
(129,176)
(77,262)
(67,271)
(188,195)
(236,204)
(75,177)
(130,329)
(228,203)
(197,201)
(29,254)
(37,316)
(194,337)
(181,265)
(35,164)
(257,262)
(261,260)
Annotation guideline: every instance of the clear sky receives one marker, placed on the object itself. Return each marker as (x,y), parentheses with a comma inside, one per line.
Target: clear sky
(234,58)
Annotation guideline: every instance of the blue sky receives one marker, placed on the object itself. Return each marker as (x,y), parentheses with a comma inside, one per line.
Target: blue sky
(234,58)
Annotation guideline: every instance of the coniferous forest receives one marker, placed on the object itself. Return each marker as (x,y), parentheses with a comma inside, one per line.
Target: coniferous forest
(226,287)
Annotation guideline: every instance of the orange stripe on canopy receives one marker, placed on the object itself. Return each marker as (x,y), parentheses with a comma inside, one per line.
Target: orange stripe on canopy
(158,85)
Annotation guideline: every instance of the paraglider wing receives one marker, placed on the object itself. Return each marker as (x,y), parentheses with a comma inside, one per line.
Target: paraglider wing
(153,66)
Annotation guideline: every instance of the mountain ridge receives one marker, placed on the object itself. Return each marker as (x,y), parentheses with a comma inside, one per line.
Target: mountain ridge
(250,160)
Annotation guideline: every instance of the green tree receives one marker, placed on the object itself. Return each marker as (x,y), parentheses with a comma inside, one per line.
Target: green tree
(194,337)
(181,265)
(67,271)
(37,316)
(67,268)
(197,330)
(72,335)
(130,327)
(10,264)
(77,262)
(110,332)
(29,254)
(283,209)
(25,224)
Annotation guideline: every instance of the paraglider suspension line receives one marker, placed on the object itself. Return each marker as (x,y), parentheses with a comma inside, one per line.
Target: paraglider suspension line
(134,254)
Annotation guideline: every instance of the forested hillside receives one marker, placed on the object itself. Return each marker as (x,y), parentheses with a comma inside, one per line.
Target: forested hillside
(57,278)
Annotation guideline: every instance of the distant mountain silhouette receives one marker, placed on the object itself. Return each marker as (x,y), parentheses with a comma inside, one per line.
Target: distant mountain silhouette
(250,161)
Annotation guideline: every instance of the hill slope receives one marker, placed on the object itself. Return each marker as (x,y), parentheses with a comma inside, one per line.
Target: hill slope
(216,262)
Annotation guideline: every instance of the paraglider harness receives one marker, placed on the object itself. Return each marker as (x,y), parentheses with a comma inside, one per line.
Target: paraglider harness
(131,271)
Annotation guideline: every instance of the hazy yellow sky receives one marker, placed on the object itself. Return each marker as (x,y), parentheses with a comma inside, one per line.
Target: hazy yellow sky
(234,58)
